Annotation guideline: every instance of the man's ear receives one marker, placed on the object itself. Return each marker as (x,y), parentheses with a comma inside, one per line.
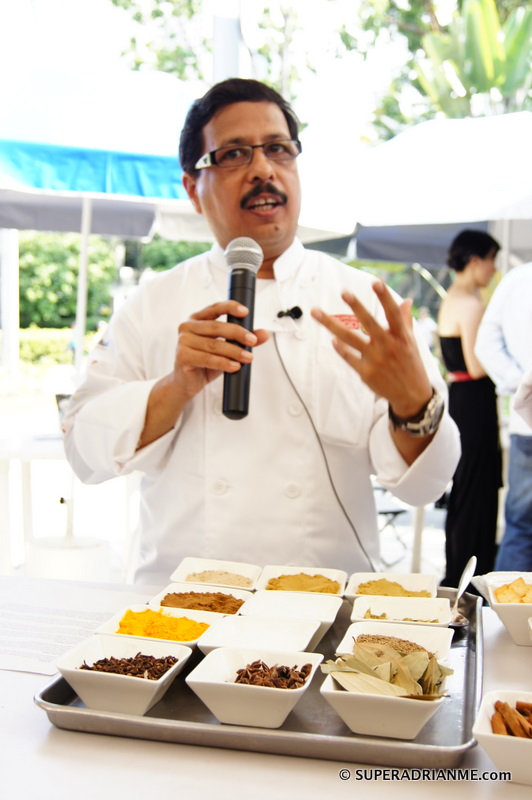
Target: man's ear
(189,182)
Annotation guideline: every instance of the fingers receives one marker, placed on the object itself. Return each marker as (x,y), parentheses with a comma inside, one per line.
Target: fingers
(219,309)
(399,318)
(391,309)
(208,343)
(339,330)
(206,323)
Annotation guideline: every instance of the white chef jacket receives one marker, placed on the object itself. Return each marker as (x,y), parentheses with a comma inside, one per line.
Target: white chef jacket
(289,483)
(504,338)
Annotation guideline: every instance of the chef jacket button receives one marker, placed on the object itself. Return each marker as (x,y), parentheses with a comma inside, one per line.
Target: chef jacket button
(300,334)
(295,409)
(220,487)
(292,490)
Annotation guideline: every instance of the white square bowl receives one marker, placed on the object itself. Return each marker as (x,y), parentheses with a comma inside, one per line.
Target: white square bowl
(435,640)
(296,605)
(190,566)
(213,681)
(508,753)
(271,634)
(433,611)
(112,625)
(410,581)
(514,616)
(199,588)
(379,715)
(121,694)
(271,571)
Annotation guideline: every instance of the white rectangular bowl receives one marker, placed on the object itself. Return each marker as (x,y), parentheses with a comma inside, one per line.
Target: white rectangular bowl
(411,581)
(123,694)
(271,634)
(508,753)
(514,616)
(379,715)
(213,680)
(435,640)
(274,571)
(296,605)
(111,626)
(200,588)
(406,610)
(191,565)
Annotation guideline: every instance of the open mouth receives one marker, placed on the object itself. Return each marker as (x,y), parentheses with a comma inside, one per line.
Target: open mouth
(263,198)
(264,203)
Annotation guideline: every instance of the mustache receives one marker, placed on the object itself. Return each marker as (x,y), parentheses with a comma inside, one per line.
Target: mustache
(263,188)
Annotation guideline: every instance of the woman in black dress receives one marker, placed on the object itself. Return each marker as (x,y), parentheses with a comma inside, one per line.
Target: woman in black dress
(471,524)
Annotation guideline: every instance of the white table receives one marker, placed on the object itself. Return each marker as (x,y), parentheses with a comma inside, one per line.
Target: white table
(41,761)
(24,449)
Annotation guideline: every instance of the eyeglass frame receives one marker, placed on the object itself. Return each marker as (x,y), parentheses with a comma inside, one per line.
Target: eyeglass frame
(209,159)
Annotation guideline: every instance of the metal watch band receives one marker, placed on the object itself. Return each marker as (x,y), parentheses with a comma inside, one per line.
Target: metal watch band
(425,422)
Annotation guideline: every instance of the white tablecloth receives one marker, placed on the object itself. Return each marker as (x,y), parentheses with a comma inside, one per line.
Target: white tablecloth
(41,761)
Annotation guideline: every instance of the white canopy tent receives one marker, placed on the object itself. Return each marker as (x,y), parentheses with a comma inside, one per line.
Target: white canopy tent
(76,155)
(98,154)
(449,172)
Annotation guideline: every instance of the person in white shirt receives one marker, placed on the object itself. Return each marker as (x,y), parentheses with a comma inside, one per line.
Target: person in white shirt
(289,483)
(523,397)
(427,326)
(504,347)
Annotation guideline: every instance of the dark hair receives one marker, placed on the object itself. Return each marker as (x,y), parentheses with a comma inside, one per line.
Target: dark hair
(470,243)
(233,90)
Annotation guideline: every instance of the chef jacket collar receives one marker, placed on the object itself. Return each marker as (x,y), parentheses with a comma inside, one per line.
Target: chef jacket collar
(284,268)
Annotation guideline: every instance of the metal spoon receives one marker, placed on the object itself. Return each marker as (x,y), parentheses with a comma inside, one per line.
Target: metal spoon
(457,619)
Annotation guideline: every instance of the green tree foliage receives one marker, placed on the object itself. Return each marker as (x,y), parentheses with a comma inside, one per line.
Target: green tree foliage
(167,37)
(49,265)
(160,254)
(171,38)
(281,32)
(478,61)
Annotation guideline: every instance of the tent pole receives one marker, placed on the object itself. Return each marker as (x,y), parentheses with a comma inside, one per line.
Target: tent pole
(83,282)
(10,309)
(505,245)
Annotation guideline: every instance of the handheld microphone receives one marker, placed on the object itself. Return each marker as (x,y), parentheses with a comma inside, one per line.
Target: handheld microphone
(244,258)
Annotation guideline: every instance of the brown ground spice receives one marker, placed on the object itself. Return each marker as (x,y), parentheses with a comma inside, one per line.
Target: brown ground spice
(203,601)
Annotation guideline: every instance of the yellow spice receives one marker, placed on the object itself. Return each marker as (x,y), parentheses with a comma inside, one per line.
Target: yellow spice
(303,583)
(388,588)
(158,625)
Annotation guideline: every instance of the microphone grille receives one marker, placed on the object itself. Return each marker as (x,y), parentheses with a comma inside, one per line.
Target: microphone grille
(244,252)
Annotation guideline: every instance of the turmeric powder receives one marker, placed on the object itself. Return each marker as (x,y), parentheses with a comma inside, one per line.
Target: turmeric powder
(158,625)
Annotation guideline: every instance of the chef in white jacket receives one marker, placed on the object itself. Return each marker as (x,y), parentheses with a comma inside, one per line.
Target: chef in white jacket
(338,394)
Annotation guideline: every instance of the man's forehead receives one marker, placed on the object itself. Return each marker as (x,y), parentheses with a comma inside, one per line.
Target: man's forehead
(240,122)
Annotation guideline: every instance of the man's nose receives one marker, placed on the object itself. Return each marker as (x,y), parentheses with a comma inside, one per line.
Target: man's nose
(261,168)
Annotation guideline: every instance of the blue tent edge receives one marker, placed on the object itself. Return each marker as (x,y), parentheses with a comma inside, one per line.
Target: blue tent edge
(60,168)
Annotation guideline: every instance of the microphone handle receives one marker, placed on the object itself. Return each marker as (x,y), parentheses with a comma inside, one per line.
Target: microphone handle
(237,384)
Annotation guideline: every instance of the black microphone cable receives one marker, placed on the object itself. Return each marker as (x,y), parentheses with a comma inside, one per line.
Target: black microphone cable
(320,444)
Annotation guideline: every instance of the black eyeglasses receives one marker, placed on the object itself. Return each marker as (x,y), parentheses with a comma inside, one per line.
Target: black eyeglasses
(242,154)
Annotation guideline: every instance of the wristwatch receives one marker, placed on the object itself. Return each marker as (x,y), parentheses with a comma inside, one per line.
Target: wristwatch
(425,422)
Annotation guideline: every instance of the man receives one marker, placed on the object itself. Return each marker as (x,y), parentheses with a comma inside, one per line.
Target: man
(504,347)
(289,483)
(427,326)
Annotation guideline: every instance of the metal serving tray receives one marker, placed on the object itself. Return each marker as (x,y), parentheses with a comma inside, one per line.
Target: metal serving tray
(313,729)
